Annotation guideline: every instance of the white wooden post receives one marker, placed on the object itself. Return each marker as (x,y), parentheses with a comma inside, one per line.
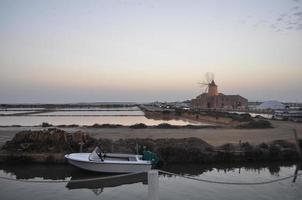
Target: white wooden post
(81,146)
(153,185)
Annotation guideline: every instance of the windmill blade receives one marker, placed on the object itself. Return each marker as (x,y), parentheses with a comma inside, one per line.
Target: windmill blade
(206,89)
(209,77)
(205,86)
(203,83)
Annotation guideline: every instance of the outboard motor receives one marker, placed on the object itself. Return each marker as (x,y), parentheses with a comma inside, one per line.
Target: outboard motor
(148,155)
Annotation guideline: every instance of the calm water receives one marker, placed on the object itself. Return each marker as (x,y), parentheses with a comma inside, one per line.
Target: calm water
(135,187)
(86,116)
(92,113)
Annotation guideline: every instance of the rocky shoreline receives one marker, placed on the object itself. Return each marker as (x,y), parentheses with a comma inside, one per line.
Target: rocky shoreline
(50,146)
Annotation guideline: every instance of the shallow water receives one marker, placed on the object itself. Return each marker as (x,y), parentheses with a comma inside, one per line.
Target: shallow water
(89,116)
(87,120)
(136,187)
(92,113)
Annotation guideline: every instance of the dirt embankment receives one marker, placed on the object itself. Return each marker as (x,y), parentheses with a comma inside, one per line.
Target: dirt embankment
(213,117)
(51,145)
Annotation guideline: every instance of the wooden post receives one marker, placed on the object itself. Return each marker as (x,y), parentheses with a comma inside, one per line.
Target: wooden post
(296,173)
(136,148)
(81,146)
(153,185)
(297,143)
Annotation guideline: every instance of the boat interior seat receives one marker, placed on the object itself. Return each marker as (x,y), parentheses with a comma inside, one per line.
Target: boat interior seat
(132,159)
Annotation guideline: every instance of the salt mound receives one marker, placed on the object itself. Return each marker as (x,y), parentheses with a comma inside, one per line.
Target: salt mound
(273,105)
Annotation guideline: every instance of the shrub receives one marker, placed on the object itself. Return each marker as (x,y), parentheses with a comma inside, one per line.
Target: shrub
(274,152)
(228,147)
(165,125)
(106,126)
(137,126)
(246,146)
(45,124)
(256,124)
(263,146)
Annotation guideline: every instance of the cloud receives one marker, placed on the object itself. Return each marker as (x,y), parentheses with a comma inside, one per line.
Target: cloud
(295,8)
(292,23)
(299,27)
(298,13)
(286,20)
(289,20)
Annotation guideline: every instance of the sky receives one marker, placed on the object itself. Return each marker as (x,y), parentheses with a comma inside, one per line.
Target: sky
(61,51)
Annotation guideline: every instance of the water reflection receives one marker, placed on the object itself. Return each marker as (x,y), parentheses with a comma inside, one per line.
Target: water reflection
(98,183)
(196,170)
(95,183)
(64,171)
(75,178)
(47,172)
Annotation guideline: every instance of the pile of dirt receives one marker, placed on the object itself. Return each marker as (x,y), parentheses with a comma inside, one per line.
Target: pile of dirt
(49,141)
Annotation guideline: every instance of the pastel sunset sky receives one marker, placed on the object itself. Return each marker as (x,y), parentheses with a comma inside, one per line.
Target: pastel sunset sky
(138,50)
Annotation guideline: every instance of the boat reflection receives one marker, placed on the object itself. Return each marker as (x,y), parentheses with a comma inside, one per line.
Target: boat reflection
(78,179)
(98,183)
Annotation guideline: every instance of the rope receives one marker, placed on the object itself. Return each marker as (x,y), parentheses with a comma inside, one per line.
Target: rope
(230,183)
(105,178)
(162,171)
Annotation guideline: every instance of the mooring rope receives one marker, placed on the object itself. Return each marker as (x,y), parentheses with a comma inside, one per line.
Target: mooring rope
(230,183)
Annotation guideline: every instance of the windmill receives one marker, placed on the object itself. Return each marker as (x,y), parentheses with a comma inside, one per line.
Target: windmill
(209,78)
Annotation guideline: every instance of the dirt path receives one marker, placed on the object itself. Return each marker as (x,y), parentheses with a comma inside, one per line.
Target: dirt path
(282,131)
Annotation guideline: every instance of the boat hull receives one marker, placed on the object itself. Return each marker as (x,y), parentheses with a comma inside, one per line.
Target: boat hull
(107,167)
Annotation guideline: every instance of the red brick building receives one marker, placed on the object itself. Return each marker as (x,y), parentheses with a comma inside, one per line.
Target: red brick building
(213,99)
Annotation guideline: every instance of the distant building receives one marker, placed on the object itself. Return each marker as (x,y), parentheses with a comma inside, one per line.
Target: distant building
(215,100)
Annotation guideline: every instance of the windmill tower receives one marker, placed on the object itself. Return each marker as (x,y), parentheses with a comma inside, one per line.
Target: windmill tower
(213,89)
(210,86)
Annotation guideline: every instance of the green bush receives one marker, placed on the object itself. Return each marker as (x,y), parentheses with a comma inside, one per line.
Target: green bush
(45,124)
(137,126)
(165,125)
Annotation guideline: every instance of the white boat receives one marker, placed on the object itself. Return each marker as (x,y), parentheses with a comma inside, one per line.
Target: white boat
(109,162)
